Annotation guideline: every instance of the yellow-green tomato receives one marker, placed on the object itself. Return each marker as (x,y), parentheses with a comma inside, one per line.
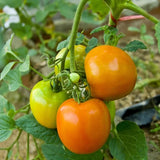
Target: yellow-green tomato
(44,103)
(79,52)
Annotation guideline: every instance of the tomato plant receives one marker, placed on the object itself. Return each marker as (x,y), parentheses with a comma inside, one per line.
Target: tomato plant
(83,128)
(44,103)
(110,72)
(84,74)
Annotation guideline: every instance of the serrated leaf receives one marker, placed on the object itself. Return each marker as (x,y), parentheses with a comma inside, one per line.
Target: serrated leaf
(24,67)
(62,44)
(134,46)
(80,38)
(91,44)
(98,29)
(5,106)
(6,126)
(6,69)
(13,79)
(130,143)
(56,151)
(30,125)
(157,34)
(41,15)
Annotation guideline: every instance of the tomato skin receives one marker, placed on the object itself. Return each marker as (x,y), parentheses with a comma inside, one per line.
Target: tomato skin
(44,103)
(79,51)
(110,72)
(83,128)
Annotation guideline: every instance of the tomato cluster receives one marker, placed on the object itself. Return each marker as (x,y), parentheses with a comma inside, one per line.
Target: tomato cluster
(84,127)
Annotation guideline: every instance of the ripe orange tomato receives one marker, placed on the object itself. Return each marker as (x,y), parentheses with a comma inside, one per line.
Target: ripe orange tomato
(110,72)
(83,128)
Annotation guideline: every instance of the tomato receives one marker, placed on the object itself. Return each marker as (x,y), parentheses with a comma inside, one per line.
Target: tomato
(110,72)
(83,128)
(44,103)
(79,51)
(74,77)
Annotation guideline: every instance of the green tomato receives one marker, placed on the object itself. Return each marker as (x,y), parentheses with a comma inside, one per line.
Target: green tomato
(79,51)
(74,77)
(44,103)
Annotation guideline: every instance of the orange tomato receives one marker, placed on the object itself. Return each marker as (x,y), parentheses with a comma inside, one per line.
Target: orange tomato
(83,128)
(110,72)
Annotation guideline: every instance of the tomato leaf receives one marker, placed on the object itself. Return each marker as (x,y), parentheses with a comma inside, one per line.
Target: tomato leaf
(29,124)
(24,67)
(157,34)
(134,46)
(21,30)
(6,126)
(60,153)
(130,143)
(91,44)
(5,106)
(13,79)
(99,7)
(6,69)
(11,3)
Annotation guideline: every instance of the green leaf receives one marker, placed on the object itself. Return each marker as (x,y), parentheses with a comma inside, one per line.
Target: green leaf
(30,125)
(13,79)
(6,126)
(134,46)
(80,38)
(21,30)
(130,143)
(98,29)
(41,15)
(57,151)
(134,29)
(67,9)
(63,44)
(3,88)
(157,34)
(99,7)
(32,52)
(148,39)
(143,29)
(6,69)
(3,18)
(91,44)
(24,67)
(11,3)
(32,3)
(5,106)
(7,47)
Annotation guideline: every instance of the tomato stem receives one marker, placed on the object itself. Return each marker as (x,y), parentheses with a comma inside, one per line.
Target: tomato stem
(74,33)
(139,10)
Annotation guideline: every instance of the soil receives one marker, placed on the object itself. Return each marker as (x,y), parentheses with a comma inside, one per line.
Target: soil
(20,97)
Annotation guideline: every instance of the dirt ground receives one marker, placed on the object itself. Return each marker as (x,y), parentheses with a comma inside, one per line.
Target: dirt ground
(19,98)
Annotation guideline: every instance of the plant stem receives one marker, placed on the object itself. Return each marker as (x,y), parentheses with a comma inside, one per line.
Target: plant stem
(139,10)
(40,74)
(74,33)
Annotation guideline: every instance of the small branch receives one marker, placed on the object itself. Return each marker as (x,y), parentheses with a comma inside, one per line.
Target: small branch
(139,10)
(133,17)
(37,72)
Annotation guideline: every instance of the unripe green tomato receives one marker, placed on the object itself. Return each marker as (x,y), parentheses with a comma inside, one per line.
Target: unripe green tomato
(74,77)
(44,103)
(79,51)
